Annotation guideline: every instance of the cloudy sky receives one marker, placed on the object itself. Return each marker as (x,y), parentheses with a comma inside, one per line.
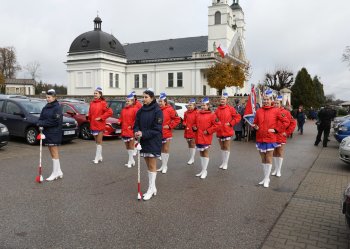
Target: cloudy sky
(279,33)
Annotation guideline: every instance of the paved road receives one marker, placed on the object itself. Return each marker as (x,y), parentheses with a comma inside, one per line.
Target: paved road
(95,206)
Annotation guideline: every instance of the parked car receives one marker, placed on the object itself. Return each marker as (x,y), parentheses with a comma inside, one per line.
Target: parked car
(346,205)
(4,135)
(21,116)
(78,111)
(116,105)
(344,150)
(338,120)
(343,131)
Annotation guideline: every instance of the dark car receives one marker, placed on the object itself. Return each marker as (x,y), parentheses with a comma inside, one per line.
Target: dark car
(4,135)
(78,111)
(346,205)
(21,116)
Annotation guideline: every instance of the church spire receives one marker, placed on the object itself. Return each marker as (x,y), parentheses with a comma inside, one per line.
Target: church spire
(97,23)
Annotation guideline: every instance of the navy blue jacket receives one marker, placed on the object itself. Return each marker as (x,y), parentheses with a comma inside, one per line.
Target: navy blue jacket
(149,120)
(51,119)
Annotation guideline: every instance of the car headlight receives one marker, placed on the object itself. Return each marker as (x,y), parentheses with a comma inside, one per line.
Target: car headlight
(4,129)
(76,123)
(343,128)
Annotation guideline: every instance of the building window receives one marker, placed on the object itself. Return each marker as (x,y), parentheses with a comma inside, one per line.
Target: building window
(170,80)
(116,82)
(136,81)
(217,17)
(80,79)
(144,80)
(88,79)
(110,79)
(179,80)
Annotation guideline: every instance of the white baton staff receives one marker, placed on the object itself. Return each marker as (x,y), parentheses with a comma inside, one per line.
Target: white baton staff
(138,148)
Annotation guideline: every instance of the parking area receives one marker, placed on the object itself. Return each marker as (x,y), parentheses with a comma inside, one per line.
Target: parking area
(95,206)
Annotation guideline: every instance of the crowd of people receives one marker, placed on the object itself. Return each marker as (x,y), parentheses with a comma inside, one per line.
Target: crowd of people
(151,124)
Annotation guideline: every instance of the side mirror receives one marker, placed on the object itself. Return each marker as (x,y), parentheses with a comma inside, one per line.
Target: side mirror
(71,113)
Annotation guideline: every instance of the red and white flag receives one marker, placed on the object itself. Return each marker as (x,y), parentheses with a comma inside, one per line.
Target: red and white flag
(250,110)
(222,51)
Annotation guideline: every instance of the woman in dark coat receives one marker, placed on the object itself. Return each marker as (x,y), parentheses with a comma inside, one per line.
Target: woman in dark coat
(300,117)
(148,127)
(50,122)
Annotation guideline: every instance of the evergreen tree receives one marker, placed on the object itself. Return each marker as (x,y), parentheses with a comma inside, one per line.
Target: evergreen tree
(319,93)
(303,92)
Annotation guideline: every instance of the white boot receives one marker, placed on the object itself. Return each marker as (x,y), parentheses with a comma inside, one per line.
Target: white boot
(274,165)
(279,163)
(161,159)
(205,166)
(59,171)
(131,161)
(264,170)
(134,152)
(192,154)
(200,173)
(152,190)
(54,173)
(226,157)
(98,156)
(267,176)
(223,158)
(164,167)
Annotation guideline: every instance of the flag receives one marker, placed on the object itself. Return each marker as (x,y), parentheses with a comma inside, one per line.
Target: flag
(249,112)
(222,51)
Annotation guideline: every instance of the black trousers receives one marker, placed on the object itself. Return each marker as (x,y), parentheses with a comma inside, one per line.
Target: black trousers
(325,129)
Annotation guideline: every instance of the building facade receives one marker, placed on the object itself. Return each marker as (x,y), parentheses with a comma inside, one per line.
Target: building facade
(174,66)
(20,86)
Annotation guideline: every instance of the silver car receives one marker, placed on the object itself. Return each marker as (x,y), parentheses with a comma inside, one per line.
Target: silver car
(344,150)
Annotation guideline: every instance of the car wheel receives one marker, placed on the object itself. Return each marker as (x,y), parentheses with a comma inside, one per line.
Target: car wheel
(31,135)
(85,132)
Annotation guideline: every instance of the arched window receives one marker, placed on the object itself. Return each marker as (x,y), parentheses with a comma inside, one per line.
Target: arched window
(217,17)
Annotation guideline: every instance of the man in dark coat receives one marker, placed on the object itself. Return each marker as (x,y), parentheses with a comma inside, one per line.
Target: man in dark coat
(325,117)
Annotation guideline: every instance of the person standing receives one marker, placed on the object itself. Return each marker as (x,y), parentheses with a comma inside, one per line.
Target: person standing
(127,120)
(266,126)
(277,158)
(300,117)
(148,128)
(205,126)
(325,117)
(239,127)
(98,113)
(228,118)
(50,123)
(188,122)
(170,121)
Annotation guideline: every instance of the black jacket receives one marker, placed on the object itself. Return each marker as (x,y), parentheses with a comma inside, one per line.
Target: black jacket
(149,120)
(325,116)
(51,119)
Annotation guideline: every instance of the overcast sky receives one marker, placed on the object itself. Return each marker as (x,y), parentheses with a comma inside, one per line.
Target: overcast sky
(279,33)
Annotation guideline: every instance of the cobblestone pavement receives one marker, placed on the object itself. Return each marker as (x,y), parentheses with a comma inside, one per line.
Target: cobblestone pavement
(313,218)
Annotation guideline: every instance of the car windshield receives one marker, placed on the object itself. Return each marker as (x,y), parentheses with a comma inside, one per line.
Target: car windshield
(34,107)
(82,108)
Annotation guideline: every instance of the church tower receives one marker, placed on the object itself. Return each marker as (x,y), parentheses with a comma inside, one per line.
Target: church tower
(225,24)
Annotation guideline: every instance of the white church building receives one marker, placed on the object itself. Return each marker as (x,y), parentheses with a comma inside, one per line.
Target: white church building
(174,66)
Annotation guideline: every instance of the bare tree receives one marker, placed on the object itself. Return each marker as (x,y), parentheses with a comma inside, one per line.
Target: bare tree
(33,69)
(280,79)
(8,62)
(346,55)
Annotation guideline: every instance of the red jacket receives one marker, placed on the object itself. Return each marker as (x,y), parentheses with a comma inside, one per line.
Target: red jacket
(206,121)
(289,129)
(170,118)
(127,120)
(188,122)
(137,105)
(98,108)
(266,118)
(226,114)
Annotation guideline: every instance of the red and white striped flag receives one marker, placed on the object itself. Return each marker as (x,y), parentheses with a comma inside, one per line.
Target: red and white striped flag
(249,111)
